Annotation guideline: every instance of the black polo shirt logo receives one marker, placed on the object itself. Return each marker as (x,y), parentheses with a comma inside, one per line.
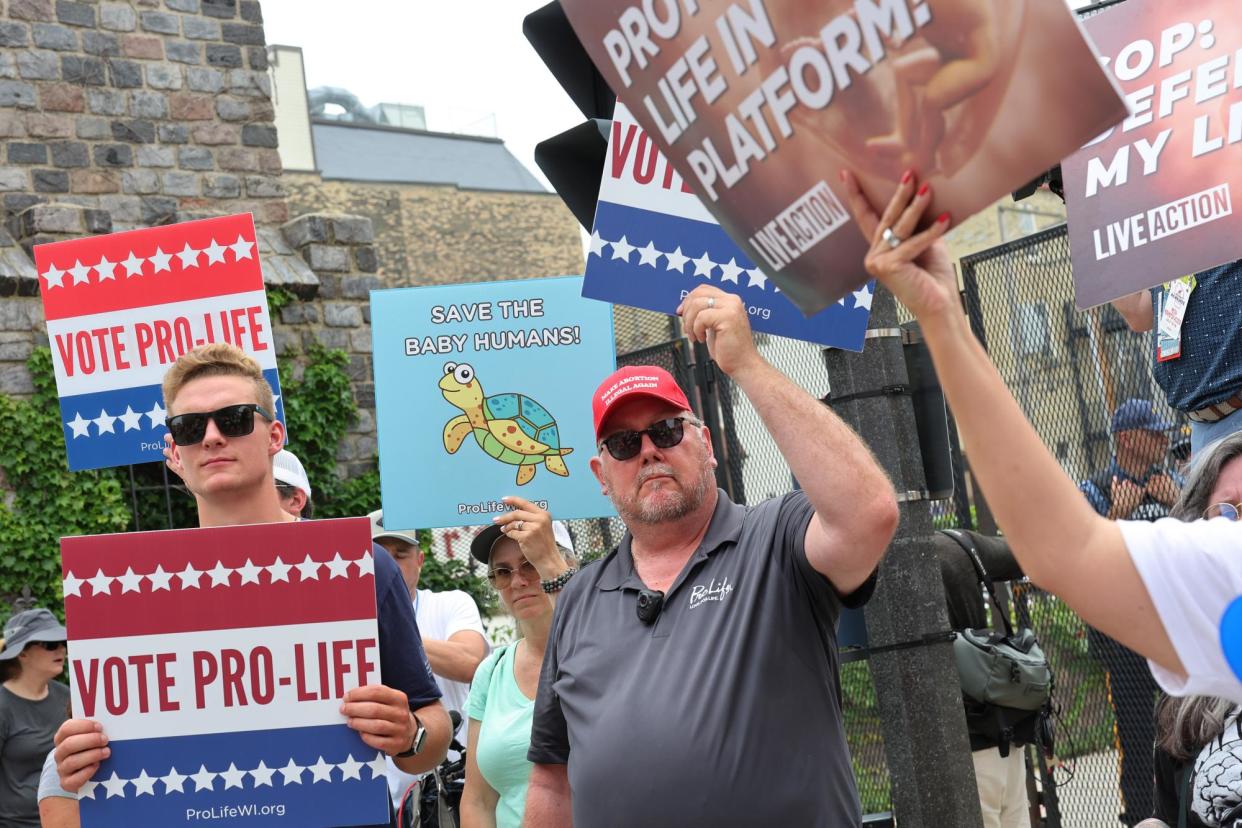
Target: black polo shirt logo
(713,590)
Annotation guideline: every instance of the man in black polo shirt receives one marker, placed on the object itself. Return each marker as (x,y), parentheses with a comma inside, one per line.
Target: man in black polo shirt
(691,677)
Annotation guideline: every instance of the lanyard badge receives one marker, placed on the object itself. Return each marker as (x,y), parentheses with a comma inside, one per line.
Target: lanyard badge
(1171,313)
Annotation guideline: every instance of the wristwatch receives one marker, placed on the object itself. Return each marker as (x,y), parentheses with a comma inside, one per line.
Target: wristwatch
(416,744)
(554,584)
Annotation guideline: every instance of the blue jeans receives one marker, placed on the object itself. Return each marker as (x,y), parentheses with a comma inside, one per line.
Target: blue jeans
(1203,434)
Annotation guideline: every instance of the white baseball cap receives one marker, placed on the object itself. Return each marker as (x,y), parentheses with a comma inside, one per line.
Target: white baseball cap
(287,469)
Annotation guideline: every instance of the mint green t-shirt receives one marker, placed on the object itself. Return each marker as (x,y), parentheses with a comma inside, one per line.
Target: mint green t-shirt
(504,733)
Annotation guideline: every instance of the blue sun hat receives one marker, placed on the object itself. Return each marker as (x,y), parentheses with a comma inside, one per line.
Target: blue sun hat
(29,626)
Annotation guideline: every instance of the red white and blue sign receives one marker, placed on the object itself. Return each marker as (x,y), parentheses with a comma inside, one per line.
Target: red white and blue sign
(216,660)
(121,308)
(654,242)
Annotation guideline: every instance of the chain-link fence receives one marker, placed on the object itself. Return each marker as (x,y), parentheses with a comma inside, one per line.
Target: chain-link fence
(1070,370)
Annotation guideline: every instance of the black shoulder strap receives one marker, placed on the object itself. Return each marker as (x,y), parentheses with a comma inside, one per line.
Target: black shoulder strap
(968,545)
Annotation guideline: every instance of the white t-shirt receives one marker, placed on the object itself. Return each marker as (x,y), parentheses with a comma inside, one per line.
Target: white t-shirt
(1193,572)
(440,615)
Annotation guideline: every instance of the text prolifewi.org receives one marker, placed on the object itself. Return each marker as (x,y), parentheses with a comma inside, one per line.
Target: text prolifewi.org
(233,812)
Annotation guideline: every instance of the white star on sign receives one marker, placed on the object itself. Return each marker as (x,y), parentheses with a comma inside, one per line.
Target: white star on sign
(174,781)
(365,564)
(597,245)
(755,276)
(188,257)
(159,579)
(648,255)
(622,249)
(81,273)
(144,784)
(105,269)
(241,249)
(87,791)
(321,771)
(190,577)
(279,570)
(115,785)
(262,775)
(378,766)
(130,581)
(249,573)
(55,277)
(232,777)
(101,584)
(219,575)
(703,266)
(72,585)
(339,567)
(204,779)
(676,261)
(729,272)
(104,422)
(132,419)
(862,298)
(215,252)
(293,773)
(351,768)
(159,260)
(157,414)
(308,569)
(133,265)
(81,426)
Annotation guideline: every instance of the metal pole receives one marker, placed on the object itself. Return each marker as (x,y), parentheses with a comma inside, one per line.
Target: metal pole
(924,724)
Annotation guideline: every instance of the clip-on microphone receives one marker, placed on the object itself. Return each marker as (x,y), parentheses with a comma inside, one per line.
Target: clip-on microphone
(650,602)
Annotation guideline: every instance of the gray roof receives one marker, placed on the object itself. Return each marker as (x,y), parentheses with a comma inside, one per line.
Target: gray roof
(364,152)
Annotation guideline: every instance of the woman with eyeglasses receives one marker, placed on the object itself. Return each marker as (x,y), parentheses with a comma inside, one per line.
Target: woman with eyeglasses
(1199,737)
(529,557)
(32,705)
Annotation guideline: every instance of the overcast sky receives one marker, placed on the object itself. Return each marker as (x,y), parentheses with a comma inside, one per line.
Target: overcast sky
(462,59)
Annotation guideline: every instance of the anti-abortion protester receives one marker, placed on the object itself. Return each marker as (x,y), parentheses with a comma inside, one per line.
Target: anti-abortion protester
(529,559)
(756,105)
(1166,589)
(222,436)
(700,585)
(293,485)
(449,625)
(32,705)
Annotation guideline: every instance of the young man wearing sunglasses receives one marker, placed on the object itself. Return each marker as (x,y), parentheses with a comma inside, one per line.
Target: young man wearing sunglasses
(223,436)
(712,621)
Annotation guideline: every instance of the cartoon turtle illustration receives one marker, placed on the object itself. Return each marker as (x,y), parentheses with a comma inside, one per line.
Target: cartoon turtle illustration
(512,428)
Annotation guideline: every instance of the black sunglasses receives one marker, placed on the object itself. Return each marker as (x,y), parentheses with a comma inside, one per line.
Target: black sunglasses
(232,421)
(50,646)
(625,445)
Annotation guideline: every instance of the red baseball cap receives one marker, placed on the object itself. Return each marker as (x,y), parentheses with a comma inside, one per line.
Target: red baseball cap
(635,381)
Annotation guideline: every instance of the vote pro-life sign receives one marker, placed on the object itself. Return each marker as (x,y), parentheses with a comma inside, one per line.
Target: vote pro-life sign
(121,308)
(1153,199)
(216,660)
(653,242)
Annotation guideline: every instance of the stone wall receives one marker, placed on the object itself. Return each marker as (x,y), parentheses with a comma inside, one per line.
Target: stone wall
(141,108)
(434,234)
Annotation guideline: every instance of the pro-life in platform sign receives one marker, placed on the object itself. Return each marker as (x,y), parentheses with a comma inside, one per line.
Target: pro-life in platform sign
(216,660)
(759,104)
(654,242)
(121,308)
(484,390)
(1152,199)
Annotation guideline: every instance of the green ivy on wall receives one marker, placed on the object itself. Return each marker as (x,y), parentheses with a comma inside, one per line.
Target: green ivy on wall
(43,499)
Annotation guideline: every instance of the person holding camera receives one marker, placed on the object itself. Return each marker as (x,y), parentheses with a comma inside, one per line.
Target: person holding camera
(527,556)
(664,659)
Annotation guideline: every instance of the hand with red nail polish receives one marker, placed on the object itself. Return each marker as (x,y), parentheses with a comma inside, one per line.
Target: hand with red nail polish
(913,264)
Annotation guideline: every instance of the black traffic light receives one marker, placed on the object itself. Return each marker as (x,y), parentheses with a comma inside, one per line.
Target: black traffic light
(574,160)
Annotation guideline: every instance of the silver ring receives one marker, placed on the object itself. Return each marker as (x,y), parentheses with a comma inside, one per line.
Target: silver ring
(894,241)
(518,524)
(711,301)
